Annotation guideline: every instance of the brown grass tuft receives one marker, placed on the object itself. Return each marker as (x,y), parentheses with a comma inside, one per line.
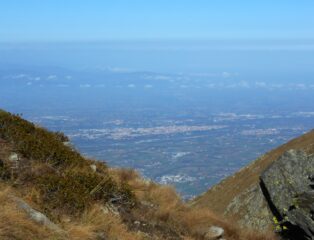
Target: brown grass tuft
(96,222)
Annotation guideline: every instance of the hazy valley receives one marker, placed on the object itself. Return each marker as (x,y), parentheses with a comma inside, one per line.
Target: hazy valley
(183,130)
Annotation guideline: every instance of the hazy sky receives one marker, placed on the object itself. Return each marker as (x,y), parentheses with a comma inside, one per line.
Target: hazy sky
(59,20)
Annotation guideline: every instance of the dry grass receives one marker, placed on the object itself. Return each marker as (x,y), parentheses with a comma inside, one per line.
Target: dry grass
(96,222)
(253,235)
(165,210)
(166,207)
(162,208)
(14,224)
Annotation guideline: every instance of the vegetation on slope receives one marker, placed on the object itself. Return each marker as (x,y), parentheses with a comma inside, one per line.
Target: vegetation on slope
(85,198)
(61,176)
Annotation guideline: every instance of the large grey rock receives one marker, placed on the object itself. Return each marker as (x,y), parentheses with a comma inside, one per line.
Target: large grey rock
(287,186)
(36,216)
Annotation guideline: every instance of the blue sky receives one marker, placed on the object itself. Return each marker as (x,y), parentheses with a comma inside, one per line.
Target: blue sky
(79,20)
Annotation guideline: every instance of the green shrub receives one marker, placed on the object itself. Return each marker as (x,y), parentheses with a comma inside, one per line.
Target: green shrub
(71,192)
(75,191)
(37,143)
(64,179)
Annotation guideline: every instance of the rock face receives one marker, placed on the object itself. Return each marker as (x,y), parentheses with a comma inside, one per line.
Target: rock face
(287,186)
(253,208)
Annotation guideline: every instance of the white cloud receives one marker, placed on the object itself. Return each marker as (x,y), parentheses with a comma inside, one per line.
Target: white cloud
(244,84)
(204,75)
(260,84)
(51,77)
(157,77)
(100,85)
(19,76)
(85,86)
(117,69)
(226,75)
(229,74)
(211,85)
(276,85)
(232,85)
(300,86)
(62,85)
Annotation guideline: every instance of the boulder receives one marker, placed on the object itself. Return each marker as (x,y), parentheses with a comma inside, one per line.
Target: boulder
(287,186)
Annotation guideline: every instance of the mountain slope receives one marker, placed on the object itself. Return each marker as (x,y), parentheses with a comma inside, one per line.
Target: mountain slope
(49,191)
(239,196)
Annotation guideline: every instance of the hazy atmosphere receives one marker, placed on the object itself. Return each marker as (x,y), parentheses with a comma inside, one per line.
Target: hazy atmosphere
(156,120)
(163,87)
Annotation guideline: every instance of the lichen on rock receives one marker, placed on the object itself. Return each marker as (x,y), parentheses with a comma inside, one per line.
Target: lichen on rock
(287,186)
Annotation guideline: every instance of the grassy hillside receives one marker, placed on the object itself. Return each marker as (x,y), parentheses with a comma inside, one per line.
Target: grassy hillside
(220,196)
(86,199)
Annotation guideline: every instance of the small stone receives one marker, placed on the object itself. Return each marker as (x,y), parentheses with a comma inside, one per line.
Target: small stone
(93,167)
(147,204)
(14,157)
(214,233)
(101,236)
(105,210)
(109,209)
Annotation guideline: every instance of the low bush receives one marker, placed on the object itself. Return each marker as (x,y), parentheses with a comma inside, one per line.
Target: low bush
(65,180)
(72,192)
(36,143)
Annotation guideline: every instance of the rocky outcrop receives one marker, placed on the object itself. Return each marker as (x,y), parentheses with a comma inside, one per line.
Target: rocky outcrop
(239,197)
(252,208)
(287,186)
